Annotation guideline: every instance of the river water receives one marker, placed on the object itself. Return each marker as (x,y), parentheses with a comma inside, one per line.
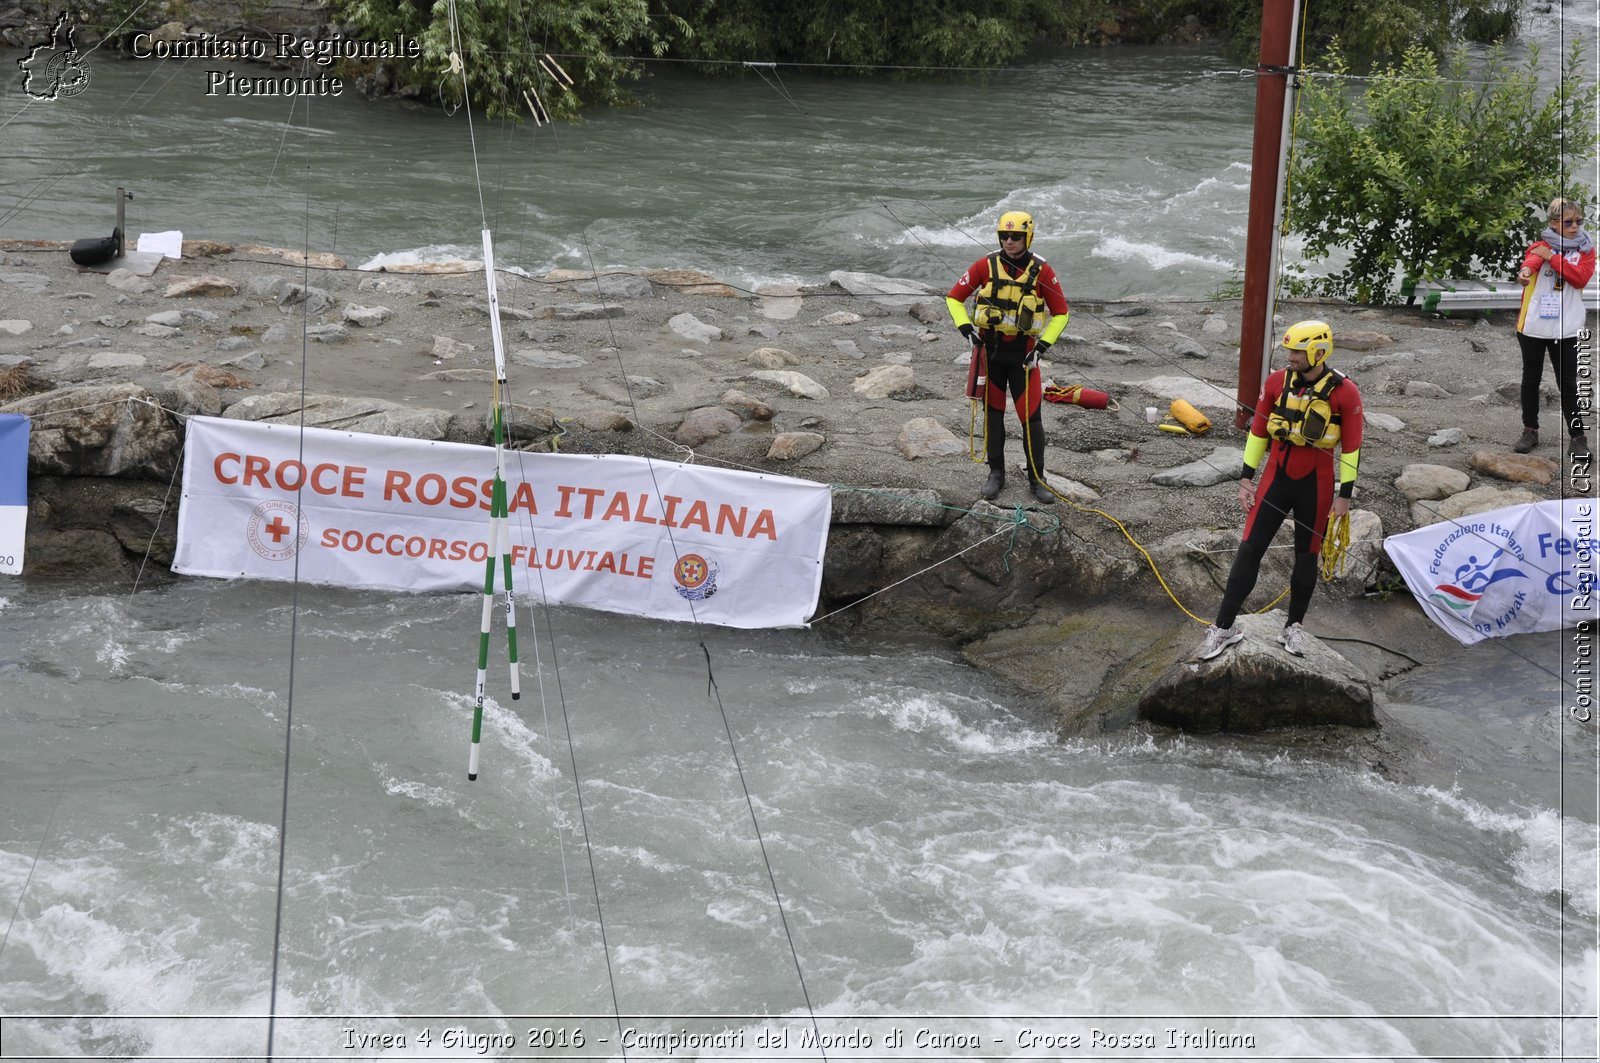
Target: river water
(951,873)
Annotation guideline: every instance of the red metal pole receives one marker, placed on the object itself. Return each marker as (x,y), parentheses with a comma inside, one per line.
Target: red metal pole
(1277,17)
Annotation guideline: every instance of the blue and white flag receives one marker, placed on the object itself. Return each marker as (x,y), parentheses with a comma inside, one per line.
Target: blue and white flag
(13,490)
(1505,572)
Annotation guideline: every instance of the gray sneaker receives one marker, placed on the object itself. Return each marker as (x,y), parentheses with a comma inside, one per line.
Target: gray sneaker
(1217,640)
(1294,639)
(1527,441)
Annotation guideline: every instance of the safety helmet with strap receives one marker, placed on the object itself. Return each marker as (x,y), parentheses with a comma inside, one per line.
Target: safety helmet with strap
(1313,337)
(1016,221)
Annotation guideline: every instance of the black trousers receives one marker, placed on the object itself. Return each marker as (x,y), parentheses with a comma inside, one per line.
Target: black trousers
(1563,355)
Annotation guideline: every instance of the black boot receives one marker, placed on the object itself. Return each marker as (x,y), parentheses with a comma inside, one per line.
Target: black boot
(992,486)
(1036,484)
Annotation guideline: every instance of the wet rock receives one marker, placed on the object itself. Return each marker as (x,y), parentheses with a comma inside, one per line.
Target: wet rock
(1256,685)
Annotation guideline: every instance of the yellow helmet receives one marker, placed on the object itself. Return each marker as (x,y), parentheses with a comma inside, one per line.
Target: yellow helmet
(1014,221)
(1313,337)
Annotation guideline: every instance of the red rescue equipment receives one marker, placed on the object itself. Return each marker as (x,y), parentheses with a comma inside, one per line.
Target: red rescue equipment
(1078,395)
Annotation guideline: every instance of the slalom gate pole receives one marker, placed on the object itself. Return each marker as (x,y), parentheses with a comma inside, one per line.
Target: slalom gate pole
(499,526)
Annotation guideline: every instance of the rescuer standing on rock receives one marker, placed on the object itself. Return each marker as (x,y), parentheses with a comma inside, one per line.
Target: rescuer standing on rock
(1306,410)
(1019,311)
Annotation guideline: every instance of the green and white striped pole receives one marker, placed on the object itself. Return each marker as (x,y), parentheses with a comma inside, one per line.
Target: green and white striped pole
(499,527)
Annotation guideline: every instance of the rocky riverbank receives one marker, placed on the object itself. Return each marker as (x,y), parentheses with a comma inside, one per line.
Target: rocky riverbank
(857,384)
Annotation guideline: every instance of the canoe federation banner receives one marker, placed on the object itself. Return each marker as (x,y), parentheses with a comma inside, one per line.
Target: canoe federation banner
(1505,572)
(13,490)
(623,534)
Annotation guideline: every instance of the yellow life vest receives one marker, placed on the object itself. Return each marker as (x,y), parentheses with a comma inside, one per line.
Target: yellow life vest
(1304,417)
(1009,305)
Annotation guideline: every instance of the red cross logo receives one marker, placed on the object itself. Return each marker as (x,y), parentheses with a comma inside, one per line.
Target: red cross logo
(277,528)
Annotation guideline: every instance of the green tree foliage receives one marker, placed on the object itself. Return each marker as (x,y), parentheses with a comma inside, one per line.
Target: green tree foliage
(860,33)
(502,41)
(600,41)
(1369,31)
(1431,175)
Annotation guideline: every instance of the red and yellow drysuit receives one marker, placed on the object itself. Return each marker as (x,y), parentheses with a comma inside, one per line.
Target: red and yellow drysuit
(1298,423)
(1019,310)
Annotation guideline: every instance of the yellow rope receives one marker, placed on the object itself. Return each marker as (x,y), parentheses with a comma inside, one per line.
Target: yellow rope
(1335,545)
(1027,450)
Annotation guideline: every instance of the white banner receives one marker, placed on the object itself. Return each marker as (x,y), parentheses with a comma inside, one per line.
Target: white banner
(13,490)
(658,539)
(1505,572)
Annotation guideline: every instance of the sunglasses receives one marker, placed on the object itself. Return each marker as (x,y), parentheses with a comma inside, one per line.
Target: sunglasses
(1013,236)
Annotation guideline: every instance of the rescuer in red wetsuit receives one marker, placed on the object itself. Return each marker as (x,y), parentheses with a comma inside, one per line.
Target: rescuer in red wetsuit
(1019,310)
(1305,411)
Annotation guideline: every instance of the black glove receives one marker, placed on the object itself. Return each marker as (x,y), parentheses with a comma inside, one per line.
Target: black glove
(1040,346)
(969,332)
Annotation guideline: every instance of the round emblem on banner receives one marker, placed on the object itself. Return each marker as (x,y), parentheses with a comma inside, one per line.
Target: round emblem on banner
(696,576)
(277,530)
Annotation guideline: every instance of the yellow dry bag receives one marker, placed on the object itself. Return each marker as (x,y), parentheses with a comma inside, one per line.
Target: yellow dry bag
(1191,418)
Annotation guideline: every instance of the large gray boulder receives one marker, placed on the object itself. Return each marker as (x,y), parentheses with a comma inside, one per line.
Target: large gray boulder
(99,430)
(350,415)
(1256,685)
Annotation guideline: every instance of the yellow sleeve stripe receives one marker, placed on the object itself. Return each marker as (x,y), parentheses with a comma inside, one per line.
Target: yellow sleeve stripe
(1255,449)
(1348,463)
(958,311)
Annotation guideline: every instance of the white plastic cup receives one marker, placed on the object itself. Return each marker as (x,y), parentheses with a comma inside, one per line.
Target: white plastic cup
(1151,414)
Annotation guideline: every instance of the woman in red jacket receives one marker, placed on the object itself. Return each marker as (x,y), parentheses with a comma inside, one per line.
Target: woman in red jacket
(1554,273)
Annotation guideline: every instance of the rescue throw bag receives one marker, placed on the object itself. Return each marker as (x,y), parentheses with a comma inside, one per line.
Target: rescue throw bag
(1192,419)
(1077,395)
